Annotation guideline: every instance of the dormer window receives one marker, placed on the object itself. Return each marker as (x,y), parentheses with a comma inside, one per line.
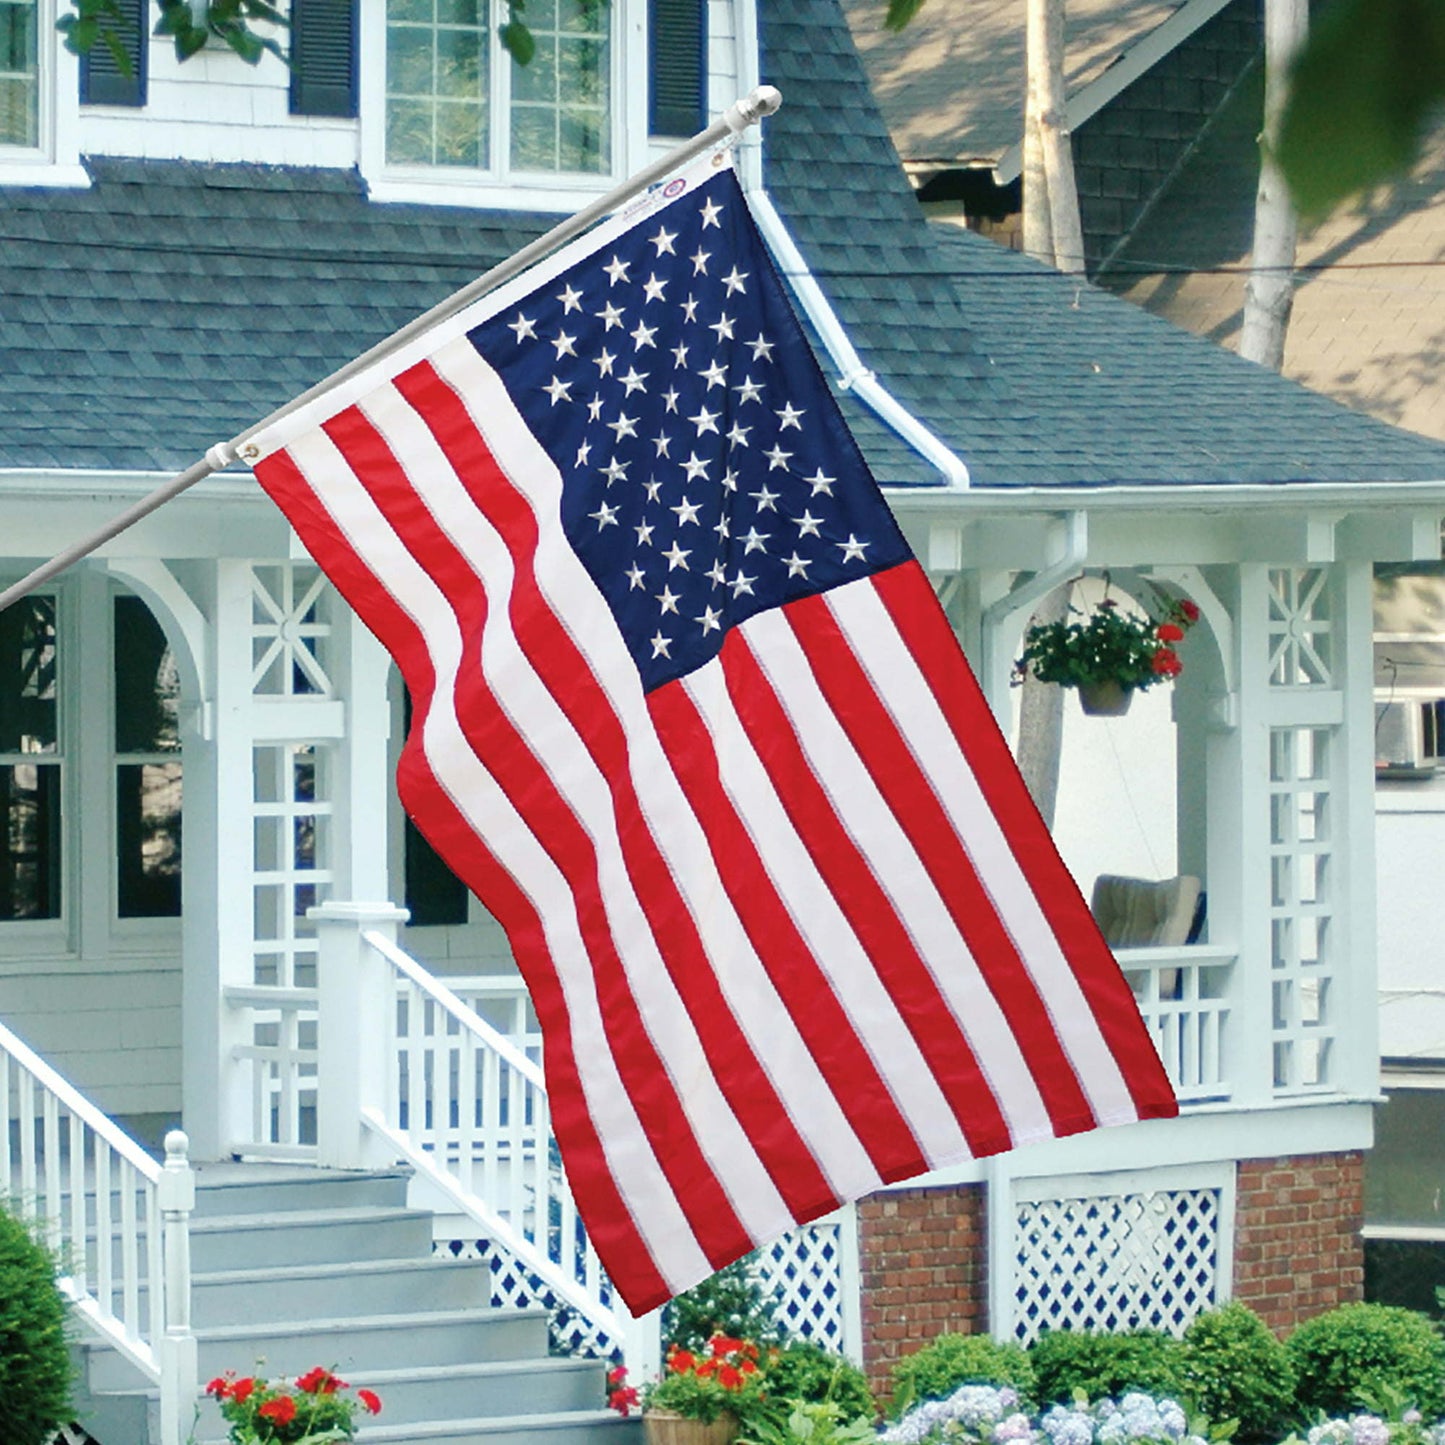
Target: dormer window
(19,74)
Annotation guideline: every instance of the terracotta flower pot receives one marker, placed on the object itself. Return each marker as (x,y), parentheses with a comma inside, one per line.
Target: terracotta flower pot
(1105,699)
(663,1427)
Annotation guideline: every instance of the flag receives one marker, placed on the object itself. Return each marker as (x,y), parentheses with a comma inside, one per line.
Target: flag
(690,722)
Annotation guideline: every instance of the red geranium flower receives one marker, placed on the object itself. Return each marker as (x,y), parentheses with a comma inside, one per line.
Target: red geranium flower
(725,1345)
(370,1401)
(617,1374)
(282,1409)
(623,1399)
(1190,609)
(1170,632)
(729,1377)
(681,1361)
(220,1387)
(317,1381)
(1166,662)
(241,1390)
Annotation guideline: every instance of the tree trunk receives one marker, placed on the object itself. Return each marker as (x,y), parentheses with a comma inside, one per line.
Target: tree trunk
(1269,293)
(1052,229)
(1041,720)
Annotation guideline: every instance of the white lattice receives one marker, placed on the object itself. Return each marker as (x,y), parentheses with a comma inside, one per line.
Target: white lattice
(1116,1262)
(71,1435)
(802,1276)
(1300,627)
(290,631)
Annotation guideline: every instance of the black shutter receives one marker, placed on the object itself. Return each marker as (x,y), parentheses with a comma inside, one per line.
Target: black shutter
(323,57)
(101,79)
(677,85)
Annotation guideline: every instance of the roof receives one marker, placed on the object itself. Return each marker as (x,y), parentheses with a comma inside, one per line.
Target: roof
(951,84)
(173,304)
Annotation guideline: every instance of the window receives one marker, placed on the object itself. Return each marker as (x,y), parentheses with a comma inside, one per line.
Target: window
(19,73)
(455,98)
(30,762)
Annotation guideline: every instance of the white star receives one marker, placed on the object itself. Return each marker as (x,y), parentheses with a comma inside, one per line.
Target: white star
(604,363)
(734,281)
(711,620)
(583,452)
(653,289)
(642,336)
(604,516)
(594,408)
(723,326)
(676,557)
(716,574)
(616,270)
(797,567)
(716,375)
(706,420)
(729,480)
(689,309)
(750,390)
(662,443)
(788,417)
(679,355)
(635,577)
(723,528)
(558,390)
(710,213)
(852,549)
(755,541)
(644,534)
(738,436)
(808,525)
(670,397)
(614,471)
(765,499)
(633,380)
(762,350)
(571,300)
(687,512)
(652,487)
(663,241)
(610,316)
(694,468)
(660,644)
(821,483)
(624,426)
(566,345)
(777,457)
(523,327)
(741,584)
(668,598)
(699,259)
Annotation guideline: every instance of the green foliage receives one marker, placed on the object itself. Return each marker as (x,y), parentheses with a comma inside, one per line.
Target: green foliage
(34,1361)
(1359,1351)
(724,1379)
(1067,1361)
(1367,83)
(97,22)
(228,21)
(802,1371)
(730,1302)
(1111,644)
(1233,1368)
(810,1422)
(949,1361)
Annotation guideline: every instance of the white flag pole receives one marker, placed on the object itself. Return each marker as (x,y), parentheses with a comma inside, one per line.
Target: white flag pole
(737,118)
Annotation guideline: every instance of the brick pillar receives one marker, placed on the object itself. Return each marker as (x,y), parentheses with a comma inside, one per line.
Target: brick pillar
(1297,1246)
(923,1257)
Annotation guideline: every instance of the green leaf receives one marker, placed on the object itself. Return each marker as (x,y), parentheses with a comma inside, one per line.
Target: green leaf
(247,45)
(900,12)
(518,41)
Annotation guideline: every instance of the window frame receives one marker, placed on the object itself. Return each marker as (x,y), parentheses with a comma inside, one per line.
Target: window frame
(54,160)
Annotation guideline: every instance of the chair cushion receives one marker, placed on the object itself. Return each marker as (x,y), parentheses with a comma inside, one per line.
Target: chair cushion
(1142,913)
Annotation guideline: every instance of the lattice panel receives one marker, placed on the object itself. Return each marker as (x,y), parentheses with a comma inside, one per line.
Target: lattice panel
(803,1275)
(72,1435)
(1115,1262)
(1301,629)
(290,631)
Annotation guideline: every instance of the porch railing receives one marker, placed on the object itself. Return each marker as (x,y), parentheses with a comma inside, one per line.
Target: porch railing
(1184,998)
(117,1222)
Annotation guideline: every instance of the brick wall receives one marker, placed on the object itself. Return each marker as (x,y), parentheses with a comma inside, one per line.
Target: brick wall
(924,1256)
(1297,1248)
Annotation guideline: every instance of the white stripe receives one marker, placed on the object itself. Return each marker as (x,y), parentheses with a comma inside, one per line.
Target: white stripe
(655,1212)
(875,831)
(816,913)
(582,610)
(874,637)
(563,756)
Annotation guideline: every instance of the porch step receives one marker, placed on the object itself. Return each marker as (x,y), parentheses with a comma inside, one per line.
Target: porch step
(296,1267)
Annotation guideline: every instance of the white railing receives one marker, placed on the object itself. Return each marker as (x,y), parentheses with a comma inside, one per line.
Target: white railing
(276,1071)
(1184,998)
(117,1222)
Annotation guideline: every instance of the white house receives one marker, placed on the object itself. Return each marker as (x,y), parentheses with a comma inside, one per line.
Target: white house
(195,736)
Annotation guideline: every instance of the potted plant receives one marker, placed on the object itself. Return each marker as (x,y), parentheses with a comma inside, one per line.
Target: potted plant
(314,1410)
(706,1398)
(1109,655)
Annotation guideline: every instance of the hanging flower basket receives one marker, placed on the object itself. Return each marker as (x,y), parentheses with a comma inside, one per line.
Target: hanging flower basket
(1108,698)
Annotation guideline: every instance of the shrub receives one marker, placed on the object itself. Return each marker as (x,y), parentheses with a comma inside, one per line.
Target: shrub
(1233,1368)
(730,1302)
(1366,1351)
(949,1361)
(34,1361)
(1105,1366)
(806,1371)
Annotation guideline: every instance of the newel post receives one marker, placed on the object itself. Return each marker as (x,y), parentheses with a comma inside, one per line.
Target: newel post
(356,1006)
(176,1348)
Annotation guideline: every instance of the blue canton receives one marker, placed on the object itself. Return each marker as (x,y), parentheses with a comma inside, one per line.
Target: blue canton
(707,472)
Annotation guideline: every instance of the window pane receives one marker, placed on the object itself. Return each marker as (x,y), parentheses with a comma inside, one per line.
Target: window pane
(27,676)
(148,840)
(560,101)
(147,685)
(19,112)
(30,842)
(436,68)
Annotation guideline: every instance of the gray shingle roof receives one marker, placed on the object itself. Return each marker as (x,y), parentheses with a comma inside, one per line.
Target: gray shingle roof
(172,304)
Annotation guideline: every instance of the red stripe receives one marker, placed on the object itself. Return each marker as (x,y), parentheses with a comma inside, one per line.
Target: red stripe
(525,780)
(610,1227)
(826,1029)
(870,912)
(925,630)
(913,802)
(567,675)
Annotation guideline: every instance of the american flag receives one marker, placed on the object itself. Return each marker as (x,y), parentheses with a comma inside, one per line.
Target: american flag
(691,723)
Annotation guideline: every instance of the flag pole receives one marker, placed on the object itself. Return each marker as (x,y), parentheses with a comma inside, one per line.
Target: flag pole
(743,113)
